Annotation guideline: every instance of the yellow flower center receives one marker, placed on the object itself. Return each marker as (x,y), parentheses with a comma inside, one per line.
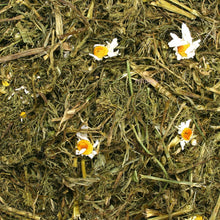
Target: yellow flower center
(198,217)
(23,115)
(182,50)
(5,83)
(84,144)
(186,134)
(100,51)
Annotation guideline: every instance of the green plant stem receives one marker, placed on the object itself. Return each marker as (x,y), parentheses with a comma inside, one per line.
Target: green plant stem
(148,152)
(171,181)
(215,210)
(129,78)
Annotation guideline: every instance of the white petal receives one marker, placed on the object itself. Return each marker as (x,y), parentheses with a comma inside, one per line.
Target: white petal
(186,35)
(196,44)
(190,54)
(182,143)
(82,136)
(179,130)
(96,144)
(178,56)
(113,44)
(95,57)
(176,41)
(97,45)
(26,91)
(80,152)
(187,123)
(111,53)
(183,125)
(92,154)
(180,127)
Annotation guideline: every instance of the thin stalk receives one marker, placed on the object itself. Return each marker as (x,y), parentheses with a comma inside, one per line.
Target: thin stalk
(148,152)
(215,210)
(174,214)
(129,78)
(83,167)
(166,150)
(171,181)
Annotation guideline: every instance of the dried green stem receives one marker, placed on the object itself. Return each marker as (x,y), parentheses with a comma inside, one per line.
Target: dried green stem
(129,78)
(148,152)
(171,181)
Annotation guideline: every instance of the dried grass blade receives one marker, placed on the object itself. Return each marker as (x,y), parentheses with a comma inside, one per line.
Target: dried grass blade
(215,210)
(15,211)
(174,214)
(192,11)
(170,7)
(171,181)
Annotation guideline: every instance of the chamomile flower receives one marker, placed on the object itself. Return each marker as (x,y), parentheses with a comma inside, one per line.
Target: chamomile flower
(104,51)
(23,115)
(186,133)
(196,217)
(84,145)
(185,48)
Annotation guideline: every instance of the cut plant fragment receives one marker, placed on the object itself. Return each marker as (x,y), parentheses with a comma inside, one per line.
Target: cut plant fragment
(104,51)
(186,133)
(84,146)
(171,7)
(185,48)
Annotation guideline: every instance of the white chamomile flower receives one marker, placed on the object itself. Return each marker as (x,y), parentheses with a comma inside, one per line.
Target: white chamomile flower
(185,132)
(84,145)
(185,48)
(105,51)
(196,217)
